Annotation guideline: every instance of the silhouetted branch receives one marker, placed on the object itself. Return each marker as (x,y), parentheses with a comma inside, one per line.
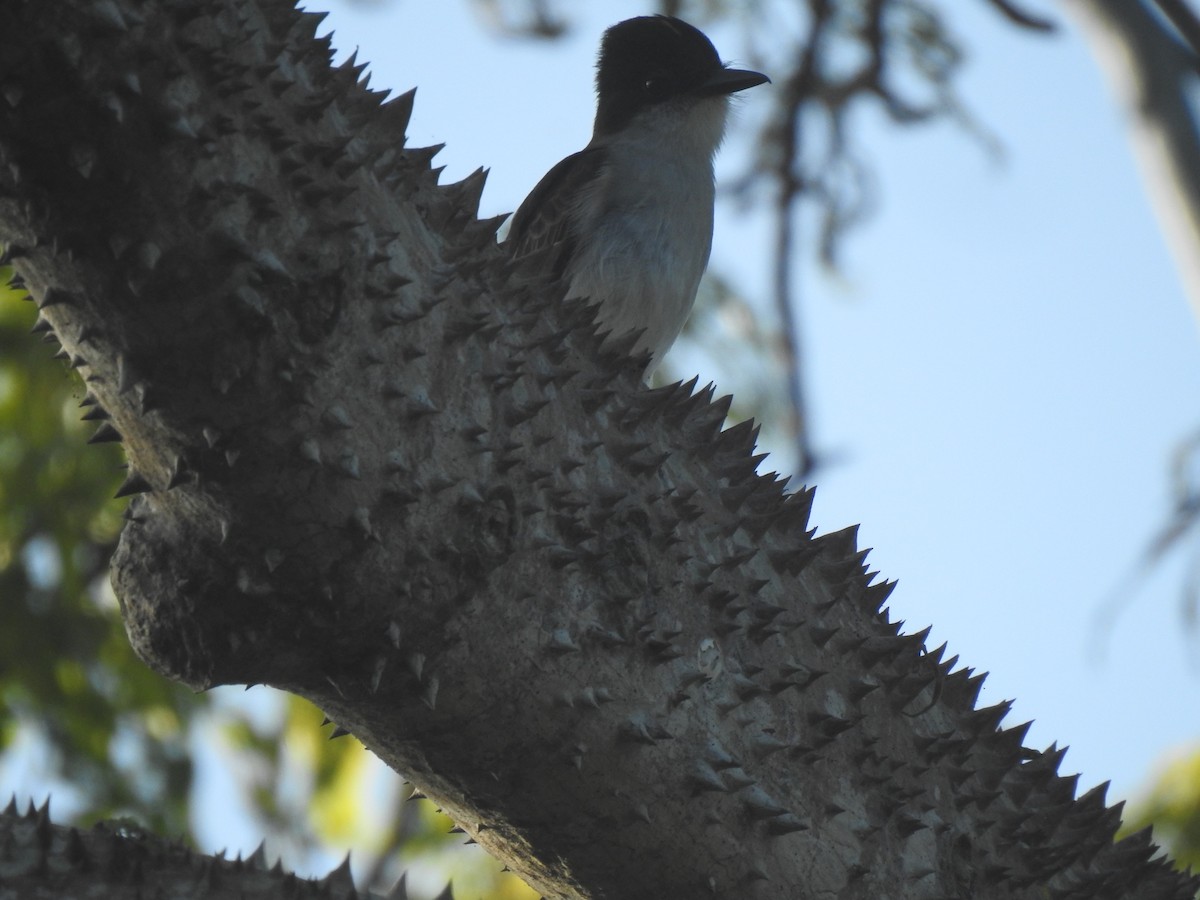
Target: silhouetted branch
(1184,19)
(1022,18)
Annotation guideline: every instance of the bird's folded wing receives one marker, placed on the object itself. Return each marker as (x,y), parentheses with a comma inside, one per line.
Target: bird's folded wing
(542,237)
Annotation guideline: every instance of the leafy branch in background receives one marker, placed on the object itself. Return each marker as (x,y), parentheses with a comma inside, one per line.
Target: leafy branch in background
(83,713)
(67,674)
(1172,807)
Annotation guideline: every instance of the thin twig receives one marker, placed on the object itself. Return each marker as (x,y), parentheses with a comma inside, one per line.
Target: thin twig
(1022,18)
(791,185)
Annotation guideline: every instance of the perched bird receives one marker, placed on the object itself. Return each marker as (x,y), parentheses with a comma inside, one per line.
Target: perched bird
(627,221)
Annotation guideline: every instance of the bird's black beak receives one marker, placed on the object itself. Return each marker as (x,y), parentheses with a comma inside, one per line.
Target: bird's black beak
(730,81)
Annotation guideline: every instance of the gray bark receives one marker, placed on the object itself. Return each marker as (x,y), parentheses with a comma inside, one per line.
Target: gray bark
(370,470)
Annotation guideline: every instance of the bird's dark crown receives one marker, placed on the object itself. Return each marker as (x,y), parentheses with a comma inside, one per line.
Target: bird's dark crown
(648,60)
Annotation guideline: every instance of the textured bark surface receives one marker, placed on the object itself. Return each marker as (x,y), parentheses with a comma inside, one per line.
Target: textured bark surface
(1153,77)
(371,471)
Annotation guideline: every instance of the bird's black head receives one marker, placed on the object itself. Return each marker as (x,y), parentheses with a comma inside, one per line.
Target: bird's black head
(653,59)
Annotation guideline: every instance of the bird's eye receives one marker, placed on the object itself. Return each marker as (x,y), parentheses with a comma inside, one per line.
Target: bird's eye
(656,86)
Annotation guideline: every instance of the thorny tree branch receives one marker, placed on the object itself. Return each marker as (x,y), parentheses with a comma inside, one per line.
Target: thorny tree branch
(374,470)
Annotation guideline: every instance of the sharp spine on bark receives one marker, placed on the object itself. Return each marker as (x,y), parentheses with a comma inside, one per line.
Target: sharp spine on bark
(562,642)
(361,519)
(105,434)
(348,464)
(704,778)
(429,694)
(53,297)
(310,449)
(416,664)
(179,472)
(134,483)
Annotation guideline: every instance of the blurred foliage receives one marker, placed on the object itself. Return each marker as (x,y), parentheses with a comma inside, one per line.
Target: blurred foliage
(80,714)
(1172,806)
(67,674)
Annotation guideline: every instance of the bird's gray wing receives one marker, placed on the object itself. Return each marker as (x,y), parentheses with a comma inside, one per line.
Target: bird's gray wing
(541,237)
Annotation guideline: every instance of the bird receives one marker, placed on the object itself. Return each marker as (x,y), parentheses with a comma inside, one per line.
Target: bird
(627,221)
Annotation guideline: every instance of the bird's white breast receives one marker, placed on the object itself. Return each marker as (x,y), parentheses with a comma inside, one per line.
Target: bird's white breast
(650,220)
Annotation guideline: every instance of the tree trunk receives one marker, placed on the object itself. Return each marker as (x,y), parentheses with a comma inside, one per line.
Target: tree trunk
(372,471)
(1155,80)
